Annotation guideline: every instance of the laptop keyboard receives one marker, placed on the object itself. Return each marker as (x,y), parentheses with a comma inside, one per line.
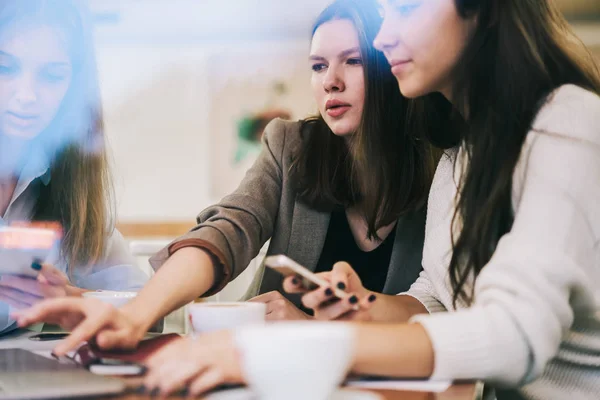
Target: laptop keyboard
(40,379)
(26,375)
(17,360)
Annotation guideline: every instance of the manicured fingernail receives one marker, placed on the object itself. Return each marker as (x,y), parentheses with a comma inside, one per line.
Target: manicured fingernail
(155,392)
(295,281)
(141,390)
(37,266)
(341,286)
(328,292)
(353,300)
(372,298)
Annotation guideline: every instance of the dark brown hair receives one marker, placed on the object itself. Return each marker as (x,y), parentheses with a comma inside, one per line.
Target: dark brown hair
(387,170)
(79,190)
(520,52)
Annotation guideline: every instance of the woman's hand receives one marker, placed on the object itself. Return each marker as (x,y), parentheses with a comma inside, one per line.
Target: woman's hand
(22,292)
(87,319)
(200,364)
(323,301)
(279,308)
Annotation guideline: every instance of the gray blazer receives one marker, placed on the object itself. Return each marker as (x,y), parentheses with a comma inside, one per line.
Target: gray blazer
(265,206)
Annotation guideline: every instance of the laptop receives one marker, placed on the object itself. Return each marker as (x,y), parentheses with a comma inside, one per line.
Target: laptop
(26,375)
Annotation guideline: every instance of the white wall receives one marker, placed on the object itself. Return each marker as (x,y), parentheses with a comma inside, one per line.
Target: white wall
(157,62)
(156,66)
(156,116)
(162,121)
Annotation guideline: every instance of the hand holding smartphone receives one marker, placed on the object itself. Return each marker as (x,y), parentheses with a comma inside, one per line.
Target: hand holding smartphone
(311,281)
(21,246)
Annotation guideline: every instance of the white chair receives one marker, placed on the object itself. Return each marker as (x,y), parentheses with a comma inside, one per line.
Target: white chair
(143,249)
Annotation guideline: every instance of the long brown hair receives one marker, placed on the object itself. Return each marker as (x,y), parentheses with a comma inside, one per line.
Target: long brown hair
(78,195)
(520,53)
(387,171)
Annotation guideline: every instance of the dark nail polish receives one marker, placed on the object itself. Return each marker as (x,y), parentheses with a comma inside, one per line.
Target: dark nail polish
(353,300)
(141,389)
(295,281)
(155,392)
(341,286)
(328,292)
(36,265)
(372,298)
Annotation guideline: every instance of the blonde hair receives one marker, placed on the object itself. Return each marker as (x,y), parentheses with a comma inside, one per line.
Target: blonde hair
(79,195)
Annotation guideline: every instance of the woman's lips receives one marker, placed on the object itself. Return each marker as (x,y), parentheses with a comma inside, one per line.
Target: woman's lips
(336,108)
(21,120)
(337,111)
(399,66)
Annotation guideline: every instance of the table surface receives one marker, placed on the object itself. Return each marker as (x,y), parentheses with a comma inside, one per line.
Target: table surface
(467,391)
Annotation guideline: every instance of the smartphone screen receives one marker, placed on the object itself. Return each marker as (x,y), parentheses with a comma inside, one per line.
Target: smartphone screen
(286,266)
(111,366)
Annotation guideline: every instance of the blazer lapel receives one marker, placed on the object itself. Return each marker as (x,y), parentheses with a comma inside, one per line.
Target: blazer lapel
(407,254)
(309,230)
(394,259)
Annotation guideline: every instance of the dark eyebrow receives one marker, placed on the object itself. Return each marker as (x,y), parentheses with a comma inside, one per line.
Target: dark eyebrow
(59,65)
(346,53)
(56,64)
(343,54)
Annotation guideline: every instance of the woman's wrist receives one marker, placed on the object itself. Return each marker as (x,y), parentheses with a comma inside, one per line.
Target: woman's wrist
(74,291)
(141,317)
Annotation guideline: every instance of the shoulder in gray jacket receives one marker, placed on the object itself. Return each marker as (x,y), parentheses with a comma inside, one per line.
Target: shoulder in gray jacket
(265,206)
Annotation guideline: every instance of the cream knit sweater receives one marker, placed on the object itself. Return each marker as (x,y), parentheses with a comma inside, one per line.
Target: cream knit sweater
(535,320)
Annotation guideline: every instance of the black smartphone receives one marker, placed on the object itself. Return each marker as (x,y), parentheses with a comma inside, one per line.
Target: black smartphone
(49,336)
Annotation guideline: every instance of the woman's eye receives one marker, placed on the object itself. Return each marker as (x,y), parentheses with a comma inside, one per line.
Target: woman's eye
(406,9)
(7,70)
(354,61)
(54,75)
(53,78)
(318,67)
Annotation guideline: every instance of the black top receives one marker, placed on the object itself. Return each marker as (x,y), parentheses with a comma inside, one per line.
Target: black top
(372,267)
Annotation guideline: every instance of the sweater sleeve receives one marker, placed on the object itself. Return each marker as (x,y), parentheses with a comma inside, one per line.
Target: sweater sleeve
(543,273)
(425,293)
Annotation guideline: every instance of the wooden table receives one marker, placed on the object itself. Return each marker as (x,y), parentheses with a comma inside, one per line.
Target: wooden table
(455,392)
(470,391)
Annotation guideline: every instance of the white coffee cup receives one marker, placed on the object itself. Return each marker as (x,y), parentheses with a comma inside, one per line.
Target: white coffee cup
(295,360)
(208,317)
(115,298)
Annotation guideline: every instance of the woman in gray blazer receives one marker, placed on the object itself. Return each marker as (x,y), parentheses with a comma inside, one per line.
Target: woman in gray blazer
(348,185)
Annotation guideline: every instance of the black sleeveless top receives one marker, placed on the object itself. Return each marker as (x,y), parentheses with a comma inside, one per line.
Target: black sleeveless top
(372,267)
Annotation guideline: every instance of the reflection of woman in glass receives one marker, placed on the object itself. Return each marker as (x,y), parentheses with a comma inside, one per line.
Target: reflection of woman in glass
(52,161)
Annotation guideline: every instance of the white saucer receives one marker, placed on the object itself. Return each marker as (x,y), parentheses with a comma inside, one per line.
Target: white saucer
(246,394)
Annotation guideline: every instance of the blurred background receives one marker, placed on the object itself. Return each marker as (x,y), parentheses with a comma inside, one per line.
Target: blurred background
(187,86)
